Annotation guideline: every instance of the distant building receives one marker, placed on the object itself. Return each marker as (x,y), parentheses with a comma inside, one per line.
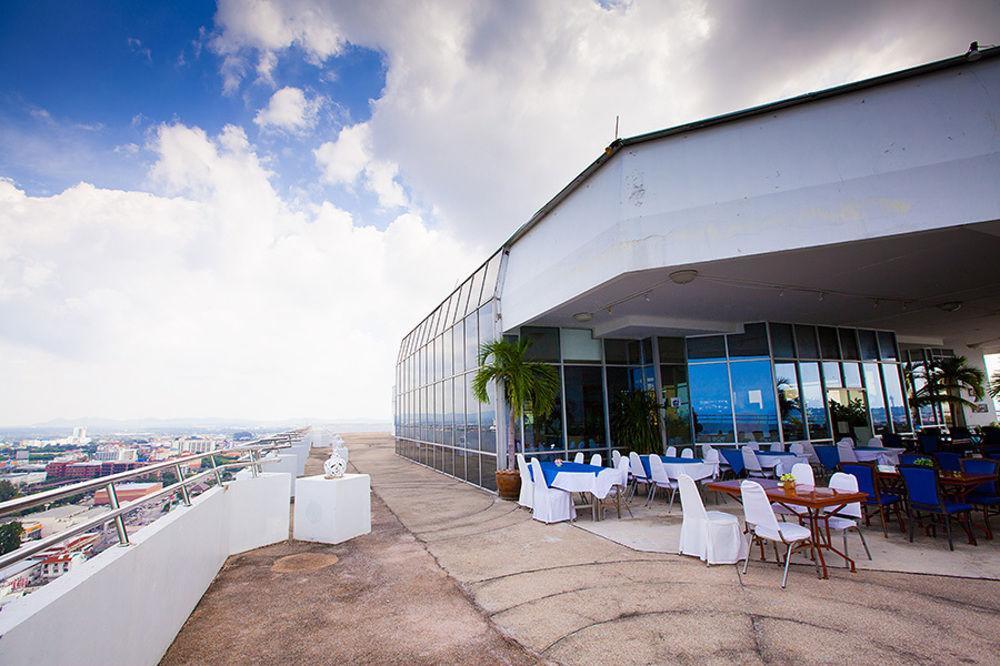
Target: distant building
(127,492)
(64,558)
(62,469)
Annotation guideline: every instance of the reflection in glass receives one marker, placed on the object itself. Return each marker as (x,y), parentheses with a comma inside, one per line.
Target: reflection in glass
(848,343)
(543,433)
(876,402)
(671,350)
(813,398)
(709,348)
(616,351)
(782,342)
(869,345)
(829,345)
(831,375)
(789,402)
(471,342)
(677,403)
(471,415)
(488,420)
(448,428)
(579,346)
(887,346)
(897,403)
(753,402)
(751,342)
(544,343)
(805,341)
(584,407)
(488,465)
(711,410)
(486,333)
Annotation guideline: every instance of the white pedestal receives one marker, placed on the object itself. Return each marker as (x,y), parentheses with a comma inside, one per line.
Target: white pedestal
(259,511)
(285,463)
(333,510)
(301,453)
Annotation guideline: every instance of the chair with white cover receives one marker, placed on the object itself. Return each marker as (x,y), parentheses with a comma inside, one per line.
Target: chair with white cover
(578,458)
(778,446)
(526,484)
(687,453)
(847,440)
(615,457)
(798,448)
(660,480)
(619,491)
(803,474)
(763,525)
(752,465)
(596,460)
(549,505)
(713,536)
(671,452)
(848,517)
(754,446)
(846,452)
(637,470)
(876,443)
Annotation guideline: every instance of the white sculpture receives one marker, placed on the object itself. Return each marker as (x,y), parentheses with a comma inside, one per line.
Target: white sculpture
(335,466)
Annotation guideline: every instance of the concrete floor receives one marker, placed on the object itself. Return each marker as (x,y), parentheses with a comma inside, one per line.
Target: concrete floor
(564,594)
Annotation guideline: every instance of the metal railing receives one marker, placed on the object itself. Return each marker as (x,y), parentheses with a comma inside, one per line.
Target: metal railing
(252,454)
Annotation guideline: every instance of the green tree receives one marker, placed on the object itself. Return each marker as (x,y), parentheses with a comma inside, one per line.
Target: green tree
(635,421)
(526,384)
(10,537)
(7,490)
(995,385)
(947,381)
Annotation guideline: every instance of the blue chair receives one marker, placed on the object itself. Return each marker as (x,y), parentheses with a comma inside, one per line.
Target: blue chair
(867,475)
(910,458)
(924,496)
(828,457)
(948,462)
(928,442)
(985,495)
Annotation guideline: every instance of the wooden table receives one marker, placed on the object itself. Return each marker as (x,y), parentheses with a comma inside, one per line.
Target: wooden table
(817,500)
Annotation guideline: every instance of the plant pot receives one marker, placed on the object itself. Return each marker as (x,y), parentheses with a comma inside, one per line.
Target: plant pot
(789,487)
(509,484)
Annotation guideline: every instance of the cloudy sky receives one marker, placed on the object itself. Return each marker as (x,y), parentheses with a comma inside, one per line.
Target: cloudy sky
(238,209)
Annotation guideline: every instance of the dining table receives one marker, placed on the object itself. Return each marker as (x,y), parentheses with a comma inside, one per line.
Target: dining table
(571,477)
(696,468)
(818,501)
(878,454)
(780,461)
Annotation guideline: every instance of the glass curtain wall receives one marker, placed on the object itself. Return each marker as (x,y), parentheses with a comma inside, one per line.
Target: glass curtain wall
(439,423)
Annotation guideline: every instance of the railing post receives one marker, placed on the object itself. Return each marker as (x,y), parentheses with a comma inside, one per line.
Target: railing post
(218,474)
(119,520)
(185,497)
(253,463)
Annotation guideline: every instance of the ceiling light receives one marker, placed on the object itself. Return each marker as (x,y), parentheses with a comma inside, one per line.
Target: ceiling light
(951,306)
(973,53)
(583,317)
(822,296)
(646,297)
(609,308)
(683,277)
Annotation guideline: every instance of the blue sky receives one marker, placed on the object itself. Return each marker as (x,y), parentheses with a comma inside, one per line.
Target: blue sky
(86,86)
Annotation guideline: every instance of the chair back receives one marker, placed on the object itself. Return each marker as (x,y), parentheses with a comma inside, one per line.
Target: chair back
(657,471)
(803,474)
(921,484)
(757,509)
(615,458)
(687,453)
(713,458)
(828,456)
(876,442)
(948,461)
(690,499)
(865,475)
(778,446)
(623,469)
(798,448)
(982,466)
(928,442)
(635,464)
(540,487)
(754,446)
(846,440)
(909,458)
(522,468)
(578,458)
(750,461)
(671,452)
(847,483)
(596,460)
(846,452)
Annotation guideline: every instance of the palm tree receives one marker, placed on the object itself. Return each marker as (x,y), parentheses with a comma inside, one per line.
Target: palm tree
(526,384)
(995,385)
(947,381)
(635,419)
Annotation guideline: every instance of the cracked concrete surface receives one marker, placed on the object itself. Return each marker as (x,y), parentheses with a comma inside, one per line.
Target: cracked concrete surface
(564,594)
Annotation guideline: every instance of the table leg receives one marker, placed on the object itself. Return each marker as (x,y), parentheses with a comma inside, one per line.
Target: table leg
(815,536)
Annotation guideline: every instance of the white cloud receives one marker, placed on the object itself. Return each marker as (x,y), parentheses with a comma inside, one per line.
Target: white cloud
(215,296)
(289,109)
(349,157)
(490,108)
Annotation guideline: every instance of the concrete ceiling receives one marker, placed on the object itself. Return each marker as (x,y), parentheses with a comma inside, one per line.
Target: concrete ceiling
(897,283)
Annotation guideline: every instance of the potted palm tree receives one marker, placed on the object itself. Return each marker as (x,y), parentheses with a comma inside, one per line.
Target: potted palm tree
(635,421)
(945,382)
(524,383)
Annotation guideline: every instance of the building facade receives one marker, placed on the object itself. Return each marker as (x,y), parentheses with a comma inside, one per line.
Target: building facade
(772,274)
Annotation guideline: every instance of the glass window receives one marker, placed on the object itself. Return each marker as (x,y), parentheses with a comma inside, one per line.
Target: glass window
(897,403)
(869,345)
(753,401)
(805,341)
(448,428)
(447,354)
(488,466)
(619,381)
(579,346)
(488,420)
(544,343)
(616,352)
(829,344)
(472,469)
(476,290)
(646,345)
(634,351)
(471,415)
(458,412)
(887,346)
(543,433)
(671,350)
(584,407)
(751,342)
(831,375)
(710,348)
(813,398)
(852,375)
(848,344)
(711,411)
(490,281)
(463,301)
(471,342)
(789,402)
(677,403)
(486,331)
(458,340)
(876,401)
(782,340)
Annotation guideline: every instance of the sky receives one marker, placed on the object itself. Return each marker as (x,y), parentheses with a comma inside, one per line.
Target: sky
(237,209)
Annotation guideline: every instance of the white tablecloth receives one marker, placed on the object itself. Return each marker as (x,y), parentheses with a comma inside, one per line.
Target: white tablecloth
(696,470)
(887,456)
(587,482)
(786,462)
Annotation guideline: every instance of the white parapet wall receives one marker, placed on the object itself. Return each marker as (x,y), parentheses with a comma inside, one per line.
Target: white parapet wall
(126,605)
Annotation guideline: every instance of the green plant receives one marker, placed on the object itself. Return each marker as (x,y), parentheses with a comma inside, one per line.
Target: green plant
(526,384)
(853,413)
(635,421)
(10,537)
(923,462)
(995,385)
(787,478)
(944,382)
(7,490)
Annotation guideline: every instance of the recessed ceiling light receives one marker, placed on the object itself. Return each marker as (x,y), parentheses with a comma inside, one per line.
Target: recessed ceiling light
(583,316)
(951,306)
(683,277)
